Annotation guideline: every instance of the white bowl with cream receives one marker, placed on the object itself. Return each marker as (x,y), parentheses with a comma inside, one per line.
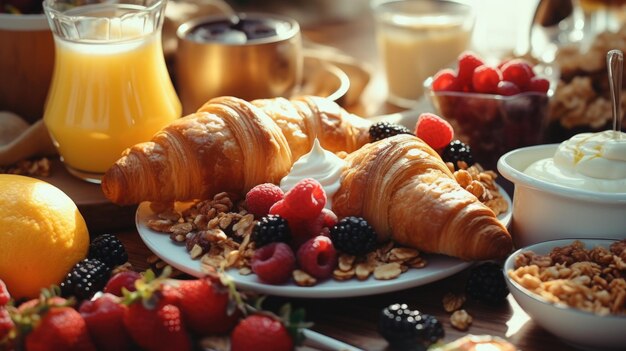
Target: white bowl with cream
(547,207)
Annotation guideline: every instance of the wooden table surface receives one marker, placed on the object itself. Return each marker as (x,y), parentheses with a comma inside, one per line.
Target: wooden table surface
(354,320)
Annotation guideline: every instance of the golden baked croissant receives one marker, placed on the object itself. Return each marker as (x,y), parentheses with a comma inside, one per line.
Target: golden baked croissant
(405,191)
(230,145)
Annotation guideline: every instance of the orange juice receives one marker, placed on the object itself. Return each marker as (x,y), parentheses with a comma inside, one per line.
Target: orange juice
(106,97)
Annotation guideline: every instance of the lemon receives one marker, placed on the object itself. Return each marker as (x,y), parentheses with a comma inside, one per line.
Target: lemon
(42,235)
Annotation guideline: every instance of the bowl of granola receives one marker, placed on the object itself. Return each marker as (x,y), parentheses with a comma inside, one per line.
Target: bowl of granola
(573,288)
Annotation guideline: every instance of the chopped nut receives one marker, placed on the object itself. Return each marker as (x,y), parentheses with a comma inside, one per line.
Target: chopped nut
(245,271)
(453,302)
(160,225)
(303,279)
(387,271)
(196,251)
(341,275)
(461,320)
(181,228)
(364,269)
(402,254)
(215,343)
(346,262)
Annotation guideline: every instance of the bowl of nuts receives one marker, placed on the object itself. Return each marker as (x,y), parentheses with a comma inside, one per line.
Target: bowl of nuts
(493,108)
(573,288)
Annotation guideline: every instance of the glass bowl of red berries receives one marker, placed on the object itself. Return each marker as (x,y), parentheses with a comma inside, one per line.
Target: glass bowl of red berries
(493,108)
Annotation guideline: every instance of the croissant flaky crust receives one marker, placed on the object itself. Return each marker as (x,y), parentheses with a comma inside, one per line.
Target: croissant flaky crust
(230,145)
(405,191)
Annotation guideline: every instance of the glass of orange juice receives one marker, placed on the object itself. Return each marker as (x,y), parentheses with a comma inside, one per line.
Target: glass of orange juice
(110,87)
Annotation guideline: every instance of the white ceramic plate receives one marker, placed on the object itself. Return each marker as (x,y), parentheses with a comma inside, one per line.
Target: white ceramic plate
(175,254)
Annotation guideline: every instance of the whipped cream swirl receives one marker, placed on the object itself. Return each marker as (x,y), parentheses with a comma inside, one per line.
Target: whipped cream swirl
(319,164)
(588,161)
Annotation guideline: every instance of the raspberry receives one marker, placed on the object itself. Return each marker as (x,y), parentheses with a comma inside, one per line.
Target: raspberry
(354,236)
(305,200)
(4,294)
(260,199)
(85,279)
(274,263)
(486,79)
(329,218)
(121,280)
(434,130)
(108,249)
(468,62)
(269,229)
(507,88)
(318,257)
(303,230)
(407,329)
(445,80)
(540,85)
(519,72)
(381,130)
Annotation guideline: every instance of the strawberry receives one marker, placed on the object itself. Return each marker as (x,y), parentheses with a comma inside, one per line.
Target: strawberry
(60,328)
(104,317)
(152,320)
(261,333)
(156,326)
(122,280)
(6,325)
(204,304)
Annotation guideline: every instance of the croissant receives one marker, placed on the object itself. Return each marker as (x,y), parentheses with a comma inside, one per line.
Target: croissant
(405,191)
(230,145)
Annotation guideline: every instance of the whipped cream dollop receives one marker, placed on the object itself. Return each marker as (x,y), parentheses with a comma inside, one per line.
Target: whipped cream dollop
(588,161)
(319,164)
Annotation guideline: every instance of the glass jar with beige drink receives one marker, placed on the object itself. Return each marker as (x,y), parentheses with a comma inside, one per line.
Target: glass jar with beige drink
(416,39)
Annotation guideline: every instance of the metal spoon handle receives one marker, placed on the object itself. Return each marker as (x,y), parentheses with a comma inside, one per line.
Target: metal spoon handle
(615,63)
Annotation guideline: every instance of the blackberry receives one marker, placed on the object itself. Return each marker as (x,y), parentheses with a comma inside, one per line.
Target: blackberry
(406,329)
(85,279)
(486,284)
(269,229)
(382,130)
(457,151)
(108,249)
(354,236)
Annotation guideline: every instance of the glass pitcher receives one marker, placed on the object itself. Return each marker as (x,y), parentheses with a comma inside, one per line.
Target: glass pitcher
(110,87)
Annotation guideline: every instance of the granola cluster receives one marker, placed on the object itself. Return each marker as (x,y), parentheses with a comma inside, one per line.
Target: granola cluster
(38,167)
(482,184)
(581,98)
(592,280)
(218,233)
